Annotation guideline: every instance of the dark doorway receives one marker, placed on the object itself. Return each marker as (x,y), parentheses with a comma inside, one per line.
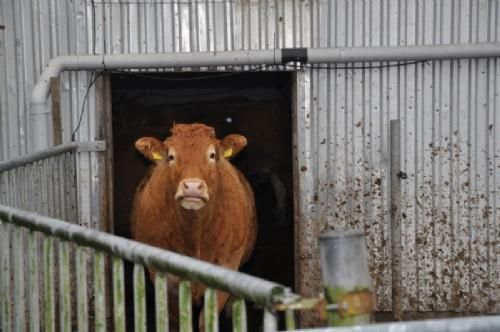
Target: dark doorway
(256,105)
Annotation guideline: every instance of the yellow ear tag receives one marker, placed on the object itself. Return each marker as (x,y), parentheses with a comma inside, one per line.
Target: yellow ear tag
(157,156)
(228,153)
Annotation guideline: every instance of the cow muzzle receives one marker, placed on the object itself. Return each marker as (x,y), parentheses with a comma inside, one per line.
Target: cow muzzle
(192,194)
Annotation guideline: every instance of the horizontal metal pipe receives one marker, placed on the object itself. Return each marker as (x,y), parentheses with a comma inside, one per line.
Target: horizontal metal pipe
(147,60)
(403,53)
(54,151)
(250,288)
(468,324)
(40,114)
(253,57)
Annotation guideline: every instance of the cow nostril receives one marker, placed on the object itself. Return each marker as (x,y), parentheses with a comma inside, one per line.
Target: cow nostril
(193,185)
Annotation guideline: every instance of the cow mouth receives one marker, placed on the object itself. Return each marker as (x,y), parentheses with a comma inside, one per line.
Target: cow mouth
(192,202)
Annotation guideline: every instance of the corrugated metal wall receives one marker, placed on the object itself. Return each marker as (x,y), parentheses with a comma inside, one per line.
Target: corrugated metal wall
(36,31)
(449,112)
(33,33)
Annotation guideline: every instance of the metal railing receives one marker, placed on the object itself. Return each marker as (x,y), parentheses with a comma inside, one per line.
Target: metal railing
(46,182)
(58,275)
(20,228)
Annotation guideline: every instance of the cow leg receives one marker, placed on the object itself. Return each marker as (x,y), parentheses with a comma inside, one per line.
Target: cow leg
(222,298)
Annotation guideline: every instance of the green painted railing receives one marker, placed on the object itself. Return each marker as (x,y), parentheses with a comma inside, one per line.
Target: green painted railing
(56,275)
(69,242)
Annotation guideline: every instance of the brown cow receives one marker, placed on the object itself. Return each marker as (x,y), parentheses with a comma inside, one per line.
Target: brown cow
(194,202)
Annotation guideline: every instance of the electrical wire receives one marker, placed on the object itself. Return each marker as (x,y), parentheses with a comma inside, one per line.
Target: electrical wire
(93,79)
(260,68)
(94,76)
(193,78)
(335,67)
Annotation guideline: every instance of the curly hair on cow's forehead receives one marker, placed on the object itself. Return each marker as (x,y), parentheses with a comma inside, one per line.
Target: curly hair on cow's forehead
(192,130)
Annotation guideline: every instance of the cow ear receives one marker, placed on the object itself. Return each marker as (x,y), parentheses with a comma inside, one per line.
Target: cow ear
(151,148)
(232,144)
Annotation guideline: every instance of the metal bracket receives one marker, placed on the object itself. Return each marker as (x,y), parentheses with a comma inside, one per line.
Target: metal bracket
(293,55)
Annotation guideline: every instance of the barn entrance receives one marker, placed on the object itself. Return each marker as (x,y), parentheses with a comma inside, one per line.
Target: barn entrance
(256,105)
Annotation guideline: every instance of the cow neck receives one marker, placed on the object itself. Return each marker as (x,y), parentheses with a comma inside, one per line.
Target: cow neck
(192,225)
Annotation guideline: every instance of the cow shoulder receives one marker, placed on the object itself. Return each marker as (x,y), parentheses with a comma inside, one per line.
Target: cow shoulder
(151,219)
(236,232)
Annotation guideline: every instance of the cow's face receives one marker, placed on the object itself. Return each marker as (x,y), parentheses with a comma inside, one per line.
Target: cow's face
(191,159)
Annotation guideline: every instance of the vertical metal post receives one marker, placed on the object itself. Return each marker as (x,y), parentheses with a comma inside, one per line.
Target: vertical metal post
(99,291)
(161,302)
(61,199)
(19,282)
(34,277)
(37,188)
(239,316)
(56,186)
(118,295)
(5,275)
(82,296)
(185,309)
(71,192)
(139,299)
(13,192)
(44,194)
(270,321)
(396,245)
(48,284)
(4,185)
(210,310)
(290,320)
(64,286)
(22,188)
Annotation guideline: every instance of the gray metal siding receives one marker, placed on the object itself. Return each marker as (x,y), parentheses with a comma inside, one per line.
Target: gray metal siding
(449,112)
(450,203)
(37,31)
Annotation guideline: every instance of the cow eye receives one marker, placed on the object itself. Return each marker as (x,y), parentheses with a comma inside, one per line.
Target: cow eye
(171,157)
(212,155)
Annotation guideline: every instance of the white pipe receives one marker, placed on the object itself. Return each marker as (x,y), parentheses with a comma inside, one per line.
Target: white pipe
(144,61)
(40,114)
(403,53)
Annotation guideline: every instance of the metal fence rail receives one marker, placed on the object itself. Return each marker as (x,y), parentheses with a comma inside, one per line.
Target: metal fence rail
(48,183)
(55,274)
(20,227)
(58,275)
(22,232)
(45,182)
